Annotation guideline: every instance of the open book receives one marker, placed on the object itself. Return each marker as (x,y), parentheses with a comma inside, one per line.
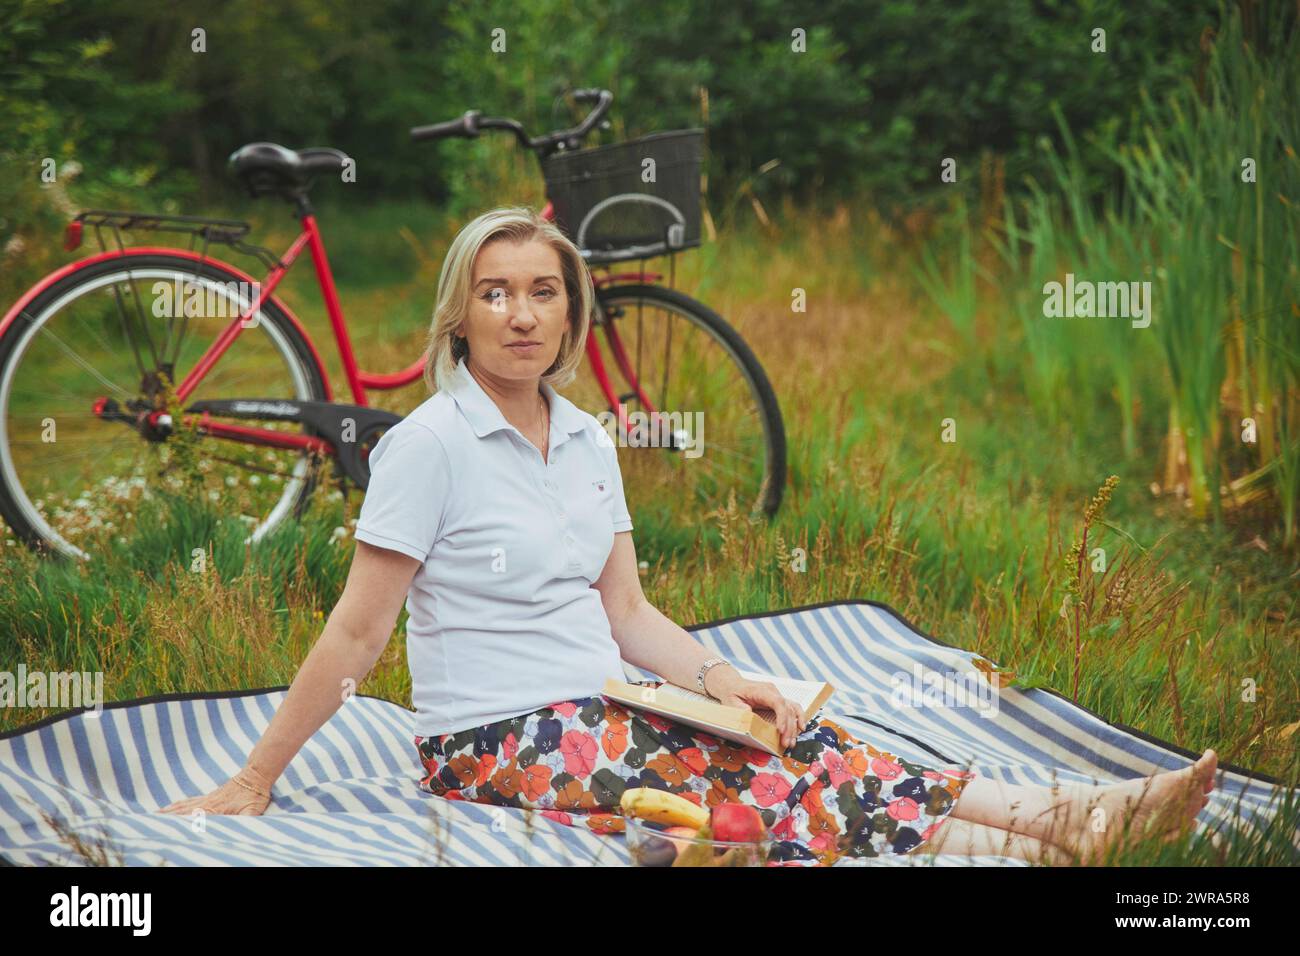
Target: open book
(739,724)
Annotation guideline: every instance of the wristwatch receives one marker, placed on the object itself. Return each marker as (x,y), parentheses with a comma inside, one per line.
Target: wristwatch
(699,678)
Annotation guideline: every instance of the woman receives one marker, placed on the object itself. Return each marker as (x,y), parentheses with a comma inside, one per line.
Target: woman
(496,509)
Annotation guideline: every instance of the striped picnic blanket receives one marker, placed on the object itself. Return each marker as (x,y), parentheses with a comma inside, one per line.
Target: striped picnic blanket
(350,797)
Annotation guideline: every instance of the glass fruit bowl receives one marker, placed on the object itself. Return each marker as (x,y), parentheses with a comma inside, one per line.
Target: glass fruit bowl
(657,844)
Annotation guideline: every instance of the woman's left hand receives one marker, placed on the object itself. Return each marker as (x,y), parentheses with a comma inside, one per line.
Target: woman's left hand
(736,691)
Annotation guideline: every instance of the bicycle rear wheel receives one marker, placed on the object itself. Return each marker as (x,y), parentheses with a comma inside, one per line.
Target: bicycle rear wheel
(666,353)
(71,478)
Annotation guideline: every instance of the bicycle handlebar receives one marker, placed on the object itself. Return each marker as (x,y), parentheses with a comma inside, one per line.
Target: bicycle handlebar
(466,126)
(473,122)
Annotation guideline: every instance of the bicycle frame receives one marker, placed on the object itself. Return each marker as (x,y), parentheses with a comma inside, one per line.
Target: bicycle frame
(358,380)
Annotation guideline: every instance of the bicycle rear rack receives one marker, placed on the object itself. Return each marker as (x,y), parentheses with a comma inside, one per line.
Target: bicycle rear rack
(228,232)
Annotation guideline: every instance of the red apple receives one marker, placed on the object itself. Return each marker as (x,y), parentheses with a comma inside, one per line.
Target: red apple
(737,823)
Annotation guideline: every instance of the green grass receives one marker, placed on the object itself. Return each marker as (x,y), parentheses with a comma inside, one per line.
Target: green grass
(969,539)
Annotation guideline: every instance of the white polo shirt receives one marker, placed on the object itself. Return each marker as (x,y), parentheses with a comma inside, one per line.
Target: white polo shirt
(503,617)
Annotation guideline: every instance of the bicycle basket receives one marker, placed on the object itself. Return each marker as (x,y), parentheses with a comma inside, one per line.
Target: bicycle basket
(604,205)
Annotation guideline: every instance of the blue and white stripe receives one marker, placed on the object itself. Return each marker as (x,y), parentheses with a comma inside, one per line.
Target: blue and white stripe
(349,797)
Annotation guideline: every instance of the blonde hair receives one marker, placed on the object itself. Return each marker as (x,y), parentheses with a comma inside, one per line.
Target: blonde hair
(443,348)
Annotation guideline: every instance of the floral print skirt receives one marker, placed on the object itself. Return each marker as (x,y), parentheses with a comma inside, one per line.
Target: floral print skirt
(829,795)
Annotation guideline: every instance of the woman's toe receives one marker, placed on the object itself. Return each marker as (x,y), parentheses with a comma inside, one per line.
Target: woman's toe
(1204,768)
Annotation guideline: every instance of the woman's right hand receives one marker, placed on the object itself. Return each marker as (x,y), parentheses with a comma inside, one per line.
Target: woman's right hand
(230,798)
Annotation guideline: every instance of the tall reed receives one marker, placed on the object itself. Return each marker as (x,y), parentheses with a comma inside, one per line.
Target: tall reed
(1206,210)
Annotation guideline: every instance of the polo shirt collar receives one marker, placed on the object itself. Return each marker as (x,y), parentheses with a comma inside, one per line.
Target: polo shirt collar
(484,416)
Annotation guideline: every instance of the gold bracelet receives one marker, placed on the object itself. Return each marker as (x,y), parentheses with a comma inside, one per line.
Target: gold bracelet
(260,793)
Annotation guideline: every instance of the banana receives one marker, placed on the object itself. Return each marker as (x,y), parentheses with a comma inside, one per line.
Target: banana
(660,806)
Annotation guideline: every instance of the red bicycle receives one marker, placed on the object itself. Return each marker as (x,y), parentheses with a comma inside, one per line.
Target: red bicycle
(98,359)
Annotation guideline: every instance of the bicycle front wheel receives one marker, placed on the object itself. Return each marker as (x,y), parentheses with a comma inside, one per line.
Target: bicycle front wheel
(112,333)
(704,420)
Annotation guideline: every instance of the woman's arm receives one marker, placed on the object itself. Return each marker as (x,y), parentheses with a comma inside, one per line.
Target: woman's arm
(651,641)
(354,636)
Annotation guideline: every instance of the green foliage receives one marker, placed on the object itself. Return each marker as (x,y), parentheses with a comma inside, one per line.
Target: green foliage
(877,96)
(951,80)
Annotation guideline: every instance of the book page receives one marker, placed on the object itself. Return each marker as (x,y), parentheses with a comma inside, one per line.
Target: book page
(801,692)
(673,690)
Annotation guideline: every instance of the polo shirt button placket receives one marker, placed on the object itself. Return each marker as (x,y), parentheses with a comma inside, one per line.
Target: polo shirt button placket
(550,487)
(572,563)
(569,542)
(547,467)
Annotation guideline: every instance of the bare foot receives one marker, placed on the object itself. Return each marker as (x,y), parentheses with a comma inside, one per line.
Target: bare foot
(1118,814)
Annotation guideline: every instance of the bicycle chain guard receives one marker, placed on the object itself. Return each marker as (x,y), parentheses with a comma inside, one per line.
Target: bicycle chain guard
(330,419)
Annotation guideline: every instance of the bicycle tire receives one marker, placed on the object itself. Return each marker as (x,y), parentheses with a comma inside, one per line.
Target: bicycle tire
(769,499)
(15,506)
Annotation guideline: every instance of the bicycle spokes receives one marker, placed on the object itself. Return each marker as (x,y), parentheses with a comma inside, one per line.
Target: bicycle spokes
(686,410)
(89,413)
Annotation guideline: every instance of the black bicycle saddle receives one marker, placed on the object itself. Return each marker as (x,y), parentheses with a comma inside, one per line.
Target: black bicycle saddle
(271,168)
